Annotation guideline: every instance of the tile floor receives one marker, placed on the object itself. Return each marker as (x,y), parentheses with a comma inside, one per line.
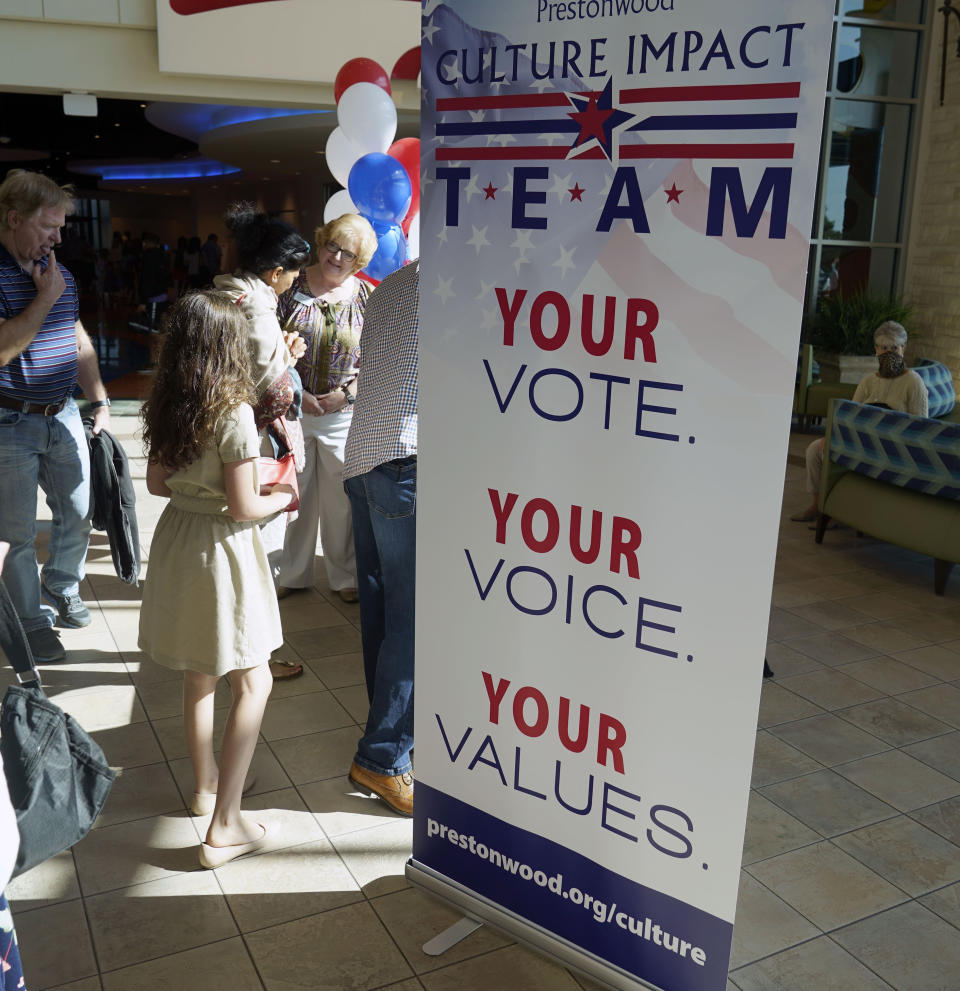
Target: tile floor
(851,876)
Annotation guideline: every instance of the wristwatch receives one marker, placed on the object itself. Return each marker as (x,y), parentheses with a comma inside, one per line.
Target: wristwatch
(97,403)
(350,399)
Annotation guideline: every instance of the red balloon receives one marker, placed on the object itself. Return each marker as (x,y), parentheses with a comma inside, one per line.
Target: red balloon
(407,152)
(408,65)
(360,70)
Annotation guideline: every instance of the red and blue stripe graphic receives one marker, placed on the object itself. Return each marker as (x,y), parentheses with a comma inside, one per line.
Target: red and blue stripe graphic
(646,127)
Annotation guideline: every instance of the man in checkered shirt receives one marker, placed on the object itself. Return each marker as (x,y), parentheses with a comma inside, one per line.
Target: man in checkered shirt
(380,476)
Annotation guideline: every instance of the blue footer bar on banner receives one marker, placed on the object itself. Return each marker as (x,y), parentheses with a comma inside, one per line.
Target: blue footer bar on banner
(584,914)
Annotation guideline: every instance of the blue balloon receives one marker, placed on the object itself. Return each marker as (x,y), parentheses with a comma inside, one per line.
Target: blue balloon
(391,253)
(380,187)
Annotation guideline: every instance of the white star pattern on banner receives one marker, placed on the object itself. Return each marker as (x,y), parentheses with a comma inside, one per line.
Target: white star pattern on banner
(565,261)
(429,30)
(485,288)
(561,186)
(471,188)
(444,290)
(479,239)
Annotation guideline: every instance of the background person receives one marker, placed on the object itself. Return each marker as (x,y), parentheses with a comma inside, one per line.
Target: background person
(208,604)
(325,306)
(380,473)
(894,386)
(44,353)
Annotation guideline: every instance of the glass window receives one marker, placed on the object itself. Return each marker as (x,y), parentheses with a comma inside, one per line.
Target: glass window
(865,173)
(907,11)
(875,61)
(850,269)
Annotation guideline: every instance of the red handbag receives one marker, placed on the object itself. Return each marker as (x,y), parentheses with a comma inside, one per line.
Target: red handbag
(274,471)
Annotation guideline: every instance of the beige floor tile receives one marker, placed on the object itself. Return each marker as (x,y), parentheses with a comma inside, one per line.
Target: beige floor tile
(926,626)
(774,760)
(945,902)
(322,952)
(377,857)
(317,756)
(942,702)
(342,639)
(139,793)
(829,615)
(265,774)
(905,853)
(306,612)
(303,684)
(943,818)
(788,595)
(938,660)
(879,605)
(339,670)
(87,984)
(50,959)
(100,707)
(909,947)
(829,739)
(885,638)
(832,648)
(890,676)
(827,802)
(771,831)
(148,920)
(787,661)
(765,924)
(831,689)
(53,881)
(941,753)
(412,918)
(144,671)
(900,780)
(199,969)
(173,740)
(134,852)
(780,705)
(341,808)
(162,699)
(819,965)
(302,714)
(354,700)
(283,885)
(894,721)
(129,746)
(826,885)
(511,967)
(786,626)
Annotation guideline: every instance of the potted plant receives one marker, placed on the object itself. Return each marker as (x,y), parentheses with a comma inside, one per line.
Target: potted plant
(842,332)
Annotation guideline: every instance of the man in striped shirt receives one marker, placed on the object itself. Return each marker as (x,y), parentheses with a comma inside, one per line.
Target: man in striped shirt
(380,476)
(44,353)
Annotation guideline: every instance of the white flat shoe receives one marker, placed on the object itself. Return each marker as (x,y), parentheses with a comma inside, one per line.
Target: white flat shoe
(212,857)
(203,802)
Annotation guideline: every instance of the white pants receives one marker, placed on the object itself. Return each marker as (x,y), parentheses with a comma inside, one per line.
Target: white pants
(324,506)
(814,466)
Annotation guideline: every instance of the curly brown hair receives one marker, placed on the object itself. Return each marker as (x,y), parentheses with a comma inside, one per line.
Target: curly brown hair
(203,372)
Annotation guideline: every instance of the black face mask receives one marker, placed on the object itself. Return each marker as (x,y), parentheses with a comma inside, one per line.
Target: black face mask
(891,365)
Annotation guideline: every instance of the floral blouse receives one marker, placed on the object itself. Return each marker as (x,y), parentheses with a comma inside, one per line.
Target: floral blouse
(331,332)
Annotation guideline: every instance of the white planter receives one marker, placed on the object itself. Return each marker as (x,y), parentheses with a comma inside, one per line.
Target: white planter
(846,367)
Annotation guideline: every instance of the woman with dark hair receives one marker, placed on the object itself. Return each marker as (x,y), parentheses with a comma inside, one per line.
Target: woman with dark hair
(270,254)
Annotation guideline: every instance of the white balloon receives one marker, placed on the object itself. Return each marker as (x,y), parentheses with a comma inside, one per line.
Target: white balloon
(338,204)
(413,238)
(341,154)
(368,117)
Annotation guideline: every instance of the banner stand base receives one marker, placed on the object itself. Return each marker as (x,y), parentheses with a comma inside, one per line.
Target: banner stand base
(479,911)
(450,937)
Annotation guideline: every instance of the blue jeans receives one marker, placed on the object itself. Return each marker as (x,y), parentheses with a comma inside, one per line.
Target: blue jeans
(384,505)
(49,451)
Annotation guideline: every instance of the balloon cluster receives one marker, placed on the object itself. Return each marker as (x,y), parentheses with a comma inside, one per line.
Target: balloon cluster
(381,176)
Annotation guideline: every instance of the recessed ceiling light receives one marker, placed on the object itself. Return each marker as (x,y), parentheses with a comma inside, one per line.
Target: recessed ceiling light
(116,125)
(274,161)
(143,106)
(97,136)
(4,140)
(318,152)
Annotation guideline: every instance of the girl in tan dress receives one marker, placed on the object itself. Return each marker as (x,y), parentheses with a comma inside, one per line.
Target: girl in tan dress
(208,603)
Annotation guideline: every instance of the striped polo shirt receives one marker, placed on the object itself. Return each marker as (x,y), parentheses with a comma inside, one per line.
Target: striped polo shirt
(47,371)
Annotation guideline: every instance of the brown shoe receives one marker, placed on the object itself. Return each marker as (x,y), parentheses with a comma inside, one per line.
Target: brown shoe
(348,595)
(396,791)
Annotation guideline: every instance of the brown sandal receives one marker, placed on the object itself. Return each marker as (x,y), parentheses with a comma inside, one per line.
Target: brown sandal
(282,670)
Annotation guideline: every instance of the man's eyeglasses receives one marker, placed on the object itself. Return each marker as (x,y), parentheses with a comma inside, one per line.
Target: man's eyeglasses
(348,256)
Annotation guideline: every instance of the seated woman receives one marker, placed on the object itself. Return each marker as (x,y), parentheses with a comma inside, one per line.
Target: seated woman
(894,386)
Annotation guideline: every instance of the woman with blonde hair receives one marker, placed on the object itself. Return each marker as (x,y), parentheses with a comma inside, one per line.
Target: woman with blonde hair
(325,306)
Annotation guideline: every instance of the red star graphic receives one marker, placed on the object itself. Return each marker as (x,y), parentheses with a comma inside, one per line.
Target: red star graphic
(591,120)
(491,191)
(576,193)
(673,194)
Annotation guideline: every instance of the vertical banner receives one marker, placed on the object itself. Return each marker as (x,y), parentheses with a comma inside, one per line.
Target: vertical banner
(617,196)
